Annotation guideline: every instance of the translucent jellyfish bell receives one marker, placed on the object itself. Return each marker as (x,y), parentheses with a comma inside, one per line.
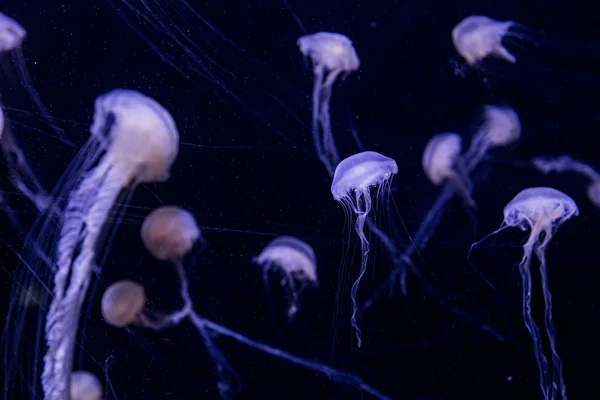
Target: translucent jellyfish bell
(169,233)
(352,181)
(12,33)
(332,54)
(442,162)
(477,37)
(297,260)
(542,210)
(122,304)
(85,386)
(501,127)
(133,140)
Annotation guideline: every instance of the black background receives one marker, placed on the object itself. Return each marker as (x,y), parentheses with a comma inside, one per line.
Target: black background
(247,171)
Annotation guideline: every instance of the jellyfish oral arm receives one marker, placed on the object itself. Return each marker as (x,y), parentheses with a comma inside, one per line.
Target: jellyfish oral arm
(84,218)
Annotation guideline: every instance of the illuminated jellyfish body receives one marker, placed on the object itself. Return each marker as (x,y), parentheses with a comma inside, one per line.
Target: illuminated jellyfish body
(169,233)
(569,164)
(477,37)
(12,61)
(122,304)
(442,162)
(351,187)
(298,263)
(542,210)
(85,386)
(332,54)
(139,142)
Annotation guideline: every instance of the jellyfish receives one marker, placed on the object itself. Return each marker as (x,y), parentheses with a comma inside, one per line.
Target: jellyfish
(298,263)
(442,162)
(85,386)
(477,37)
(542,210)
(567,163)
(12,61)
(138,141)
(122,303)
(20,172)
(332,54)
(351,187)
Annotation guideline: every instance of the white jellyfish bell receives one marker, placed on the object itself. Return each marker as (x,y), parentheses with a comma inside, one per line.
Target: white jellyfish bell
(332,54)
(477,37)
(354,177)
(133,140)
(298,263)
(85,386)
(542,210)
(442,162)
(122,304)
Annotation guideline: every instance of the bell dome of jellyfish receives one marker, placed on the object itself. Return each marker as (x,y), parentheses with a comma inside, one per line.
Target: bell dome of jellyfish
(297,262)
(122,303)
(169,233)
(442,162)
(85,386)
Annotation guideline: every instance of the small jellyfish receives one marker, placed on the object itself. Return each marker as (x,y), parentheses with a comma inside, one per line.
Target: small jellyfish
(567,163)
(298,263)
(351,186)
(501,128)
(477,37)
(85,386)
(133,140)
(122,304)
(169,233)
(442,162)
(332,54)
(542,210)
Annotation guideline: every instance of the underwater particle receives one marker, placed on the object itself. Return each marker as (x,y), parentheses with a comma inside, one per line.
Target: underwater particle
(442,162)
(136,141)
(296,260)
(169,233)
(122,303)
(477,37)
(85,386)
(332,54)
(352,181)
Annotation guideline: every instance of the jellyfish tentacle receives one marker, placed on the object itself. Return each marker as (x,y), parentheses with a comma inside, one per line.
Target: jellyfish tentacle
(557,376)
(316,107)
(361,214)
(525,270)
(63,317)
(325,119)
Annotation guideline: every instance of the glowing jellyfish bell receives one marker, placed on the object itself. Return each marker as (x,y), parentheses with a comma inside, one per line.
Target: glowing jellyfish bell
(85,386)
(298,263)
(134,140)
(352,181)
(442,162)
(12,33)
(332,54)
(477,37)
(169,233)
(542,210)
(501,127)
(122,304)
